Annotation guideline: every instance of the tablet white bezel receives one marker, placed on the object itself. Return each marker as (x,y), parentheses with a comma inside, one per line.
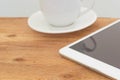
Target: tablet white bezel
(88,61)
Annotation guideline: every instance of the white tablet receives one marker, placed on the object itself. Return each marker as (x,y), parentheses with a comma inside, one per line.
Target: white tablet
(99,50)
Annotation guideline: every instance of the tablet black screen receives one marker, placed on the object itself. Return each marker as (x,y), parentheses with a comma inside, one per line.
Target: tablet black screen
(104,46)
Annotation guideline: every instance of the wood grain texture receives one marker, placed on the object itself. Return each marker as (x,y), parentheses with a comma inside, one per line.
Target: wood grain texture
(29,55)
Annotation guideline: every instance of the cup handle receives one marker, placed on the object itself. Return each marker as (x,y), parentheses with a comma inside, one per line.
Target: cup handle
(88,9)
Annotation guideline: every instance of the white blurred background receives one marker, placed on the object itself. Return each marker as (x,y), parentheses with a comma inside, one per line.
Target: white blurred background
(24,8)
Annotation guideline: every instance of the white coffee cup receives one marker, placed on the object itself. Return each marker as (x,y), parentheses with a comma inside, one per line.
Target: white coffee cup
(62,12)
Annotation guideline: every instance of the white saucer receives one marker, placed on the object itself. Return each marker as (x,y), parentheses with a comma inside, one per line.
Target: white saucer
(38,23)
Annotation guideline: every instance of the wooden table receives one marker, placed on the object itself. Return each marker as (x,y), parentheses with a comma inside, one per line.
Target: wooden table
(29,55)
